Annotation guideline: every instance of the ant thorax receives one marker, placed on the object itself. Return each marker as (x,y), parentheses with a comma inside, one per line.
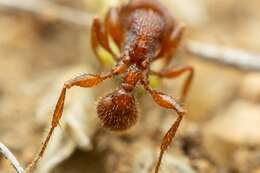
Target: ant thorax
(144,34)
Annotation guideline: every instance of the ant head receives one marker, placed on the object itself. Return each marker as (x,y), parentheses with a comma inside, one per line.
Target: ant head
(117,110)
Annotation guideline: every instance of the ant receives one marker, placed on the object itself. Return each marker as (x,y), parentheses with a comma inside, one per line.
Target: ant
(145,31)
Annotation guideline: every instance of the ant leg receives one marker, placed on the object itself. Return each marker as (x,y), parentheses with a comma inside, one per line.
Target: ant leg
(167,102)
(174,73)
(86,81)
(112,24)
(99,36)
(170,45)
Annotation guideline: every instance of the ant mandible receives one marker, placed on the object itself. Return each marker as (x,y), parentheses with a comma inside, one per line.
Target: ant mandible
(145,31)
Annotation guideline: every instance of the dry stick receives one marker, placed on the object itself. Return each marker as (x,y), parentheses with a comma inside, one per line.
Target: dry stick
(237,58)
(9,156)
(49,9)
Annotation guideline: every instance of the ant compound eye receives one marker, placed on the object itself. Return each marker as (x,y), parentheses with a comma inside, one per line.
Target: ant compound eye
(117,110)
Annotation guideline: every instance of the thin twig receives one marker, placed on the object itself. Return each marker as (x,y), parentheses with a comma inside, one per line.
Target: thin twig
(237,58)
(9,156)
(51,10)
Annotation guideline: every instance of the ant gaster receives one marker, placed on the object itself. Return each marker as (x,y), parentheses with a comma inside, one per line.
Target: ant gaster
(144,31)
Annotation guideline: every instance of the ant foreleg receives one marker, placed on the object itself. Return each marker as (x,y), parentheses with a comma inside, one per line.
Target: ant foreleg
(171,44)
(86,81)
(99,36)
(113,26)
(176,72)
(167,102)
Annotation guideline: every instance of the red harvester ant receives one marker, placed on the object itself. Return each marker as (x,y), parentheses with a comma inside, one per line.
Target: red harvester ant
(145,31)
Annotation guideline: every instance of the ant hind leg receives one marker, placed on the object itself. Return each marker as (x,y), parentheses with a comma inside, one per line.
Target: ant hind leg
(86,81)
(167,102)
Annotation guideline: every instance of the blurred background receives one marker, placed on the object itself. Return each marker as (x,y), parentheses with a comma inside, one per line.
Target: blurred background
(46,42)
